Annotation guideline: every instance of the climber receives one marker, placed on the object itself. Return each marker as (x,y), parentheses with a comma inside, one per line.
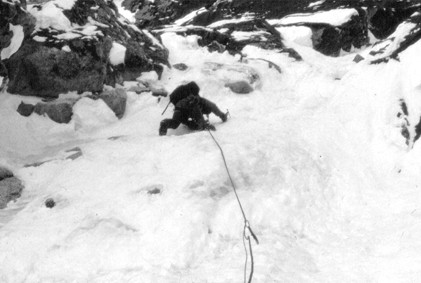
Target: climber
(189,110)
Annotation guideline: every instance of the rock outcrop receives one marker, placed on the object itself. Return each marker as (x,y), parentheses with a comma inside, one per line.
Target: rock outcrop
(380,17)
(332,31)
(60,47)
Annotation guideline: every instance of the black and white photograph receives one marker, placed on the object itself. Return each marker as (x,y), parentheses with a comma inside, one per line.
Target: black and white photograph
(210,141)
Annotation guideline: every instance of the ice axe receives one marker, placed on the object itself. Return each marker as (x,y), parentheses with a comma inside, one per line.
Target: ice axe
(166,108)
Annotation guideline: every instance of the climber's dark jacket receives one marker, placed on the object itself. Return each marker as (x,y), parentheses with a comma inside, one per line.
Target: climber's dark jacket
(189,110)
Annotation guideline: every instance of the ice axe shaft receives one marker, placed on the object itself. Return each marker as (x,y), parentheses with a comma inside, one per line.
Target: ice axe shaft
(166,108)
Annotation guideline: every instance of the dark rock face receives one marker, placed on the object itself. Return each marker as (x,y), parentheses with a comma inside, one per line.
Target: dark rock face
(38,70)
(163,12)
(10,187)
(54,60)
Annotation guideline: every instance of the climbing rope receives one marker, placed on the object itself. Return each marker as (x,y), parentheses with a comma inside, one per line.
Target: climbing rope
(246,222)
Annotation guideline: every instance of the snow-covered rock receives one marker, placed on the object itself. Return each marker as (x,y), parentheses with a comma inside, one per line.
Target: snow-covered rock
(233,35)
(58,111)
(77,46)
(332,31)
(405,35)
(115,99)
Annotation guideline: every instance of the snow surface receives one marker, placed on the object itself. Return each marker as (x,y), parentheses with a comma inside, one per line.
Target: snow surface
(117,54)
(325,177)
(297,34)
(15,42)
(335,17)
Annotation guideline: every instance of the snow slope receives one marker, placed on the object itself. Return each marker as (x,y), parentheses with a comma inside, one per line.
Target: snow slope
(324,175)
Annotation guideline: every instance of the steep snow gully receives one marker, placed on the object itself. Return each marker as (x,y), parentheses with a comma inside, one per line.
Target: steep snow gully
(326,179)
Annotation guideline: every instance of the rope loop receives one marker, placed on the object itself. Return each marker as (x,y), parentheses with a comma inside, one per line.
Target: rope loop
(247,226)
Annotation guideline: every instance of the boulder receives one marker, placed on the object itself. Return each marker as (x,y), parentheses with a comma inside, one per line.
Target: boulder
(358,58)
(240,87)
(50,203)
(180,66)
(25,109)
(116,100)
(58,111)
(10,189)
